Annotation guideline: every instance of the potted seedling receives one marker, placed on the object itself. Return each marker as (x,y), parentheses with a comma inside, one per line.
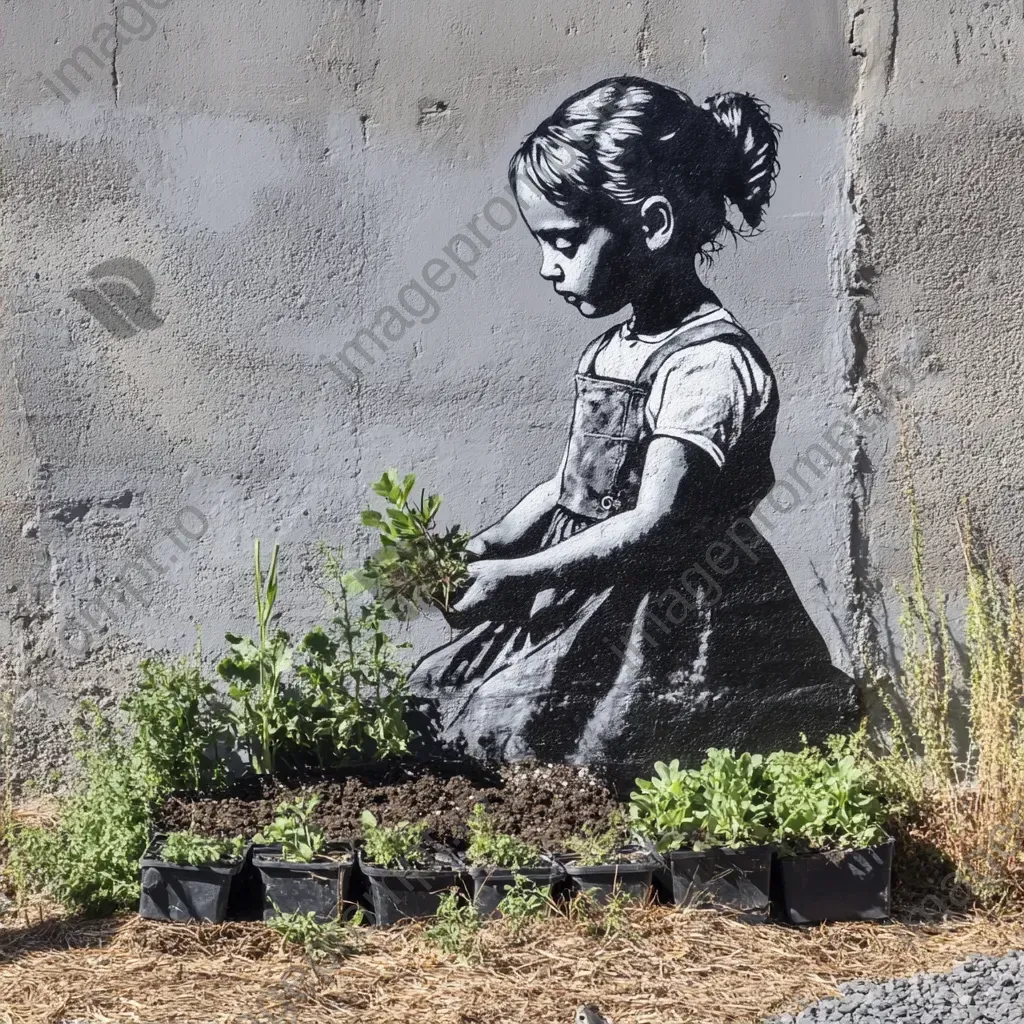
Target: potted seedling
(712,825)
(498,859)
(408,879)
(187,877)
(301,873)
(835,860)
(601,861)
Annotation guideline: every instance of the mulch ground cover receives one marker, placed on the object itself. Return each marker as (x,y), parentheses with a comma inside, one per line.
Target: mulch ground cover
(667,967)
(541,803)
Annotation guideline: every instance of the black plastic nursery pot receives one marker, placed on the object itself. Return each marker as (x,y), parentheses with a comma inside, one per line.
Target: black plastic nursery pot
(841,885)
(292,887)
(491,884)
(400,895)
(728,879)
(182,892)
(603,881)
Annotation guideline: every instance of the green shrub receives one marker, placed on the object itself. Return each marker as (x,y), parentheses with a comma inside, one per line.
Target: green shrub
(254,672)
(178,721)
(456,927)
(415,565)
(400,846)
(300,842)
(596,844)
(524,903)
(198,851)
(493,849)
(90,861)
(340,694)
(318,939)
(825,800)
(354,696)
(722,803)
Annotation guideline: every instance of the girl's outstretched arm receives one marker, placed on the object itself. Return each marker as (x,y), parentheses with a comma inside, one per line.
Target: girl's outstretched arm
(525,522)
(676,475)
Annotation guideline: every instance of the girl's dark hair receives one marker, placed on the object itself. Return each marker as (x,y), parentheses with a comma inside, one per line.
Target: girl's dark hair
(625,139)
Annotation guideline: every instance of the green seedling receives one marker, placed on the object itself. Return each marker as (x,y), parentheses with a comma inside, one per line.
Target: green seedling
(300,842)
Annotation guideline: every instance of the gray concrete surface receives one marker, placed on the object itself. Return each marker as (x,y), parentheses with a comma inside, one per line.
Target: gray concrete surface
(282,171)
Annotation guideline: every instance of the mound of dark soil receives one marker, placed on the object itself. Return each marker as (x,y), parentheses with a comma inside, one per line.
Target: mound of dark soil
(541,803)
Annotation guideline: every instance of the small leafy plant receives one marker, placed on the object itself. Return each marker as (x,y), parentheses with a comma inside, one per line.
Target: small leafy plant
(179,721)
(198,851)
(524,903)
(595,844)
(300,842)
(319,939)
(722,803)
(354,696)
(602,920)
(824,801)
(254,672)
(415,565)
(89,862)
(400,846)
(456,927)
(493,849)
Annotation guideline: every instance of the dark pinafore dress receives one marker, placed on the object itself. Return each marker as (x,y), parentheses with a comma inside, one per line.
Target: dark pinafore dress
(653,659)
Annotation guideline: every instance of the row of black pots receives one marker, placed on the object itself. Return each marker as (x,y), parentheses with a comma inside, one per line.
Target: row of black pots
(757,883)
(261,882)
(754,882)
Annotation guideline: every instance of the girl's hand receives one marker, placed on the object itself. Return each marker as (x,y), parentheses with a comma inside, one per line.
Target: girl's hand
(476,548)
(489,583)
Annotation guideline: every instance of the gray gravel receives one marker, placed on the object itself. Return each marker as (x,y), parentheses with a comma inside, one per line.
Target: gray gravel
(984,989)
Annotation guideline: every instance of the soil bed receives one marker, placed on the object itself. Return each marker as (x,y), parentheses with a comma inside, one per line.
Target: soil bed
(541,803)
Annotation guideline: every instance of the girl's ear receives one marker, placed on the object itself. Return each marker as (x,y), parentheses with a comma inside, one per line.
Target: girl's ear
(657,221)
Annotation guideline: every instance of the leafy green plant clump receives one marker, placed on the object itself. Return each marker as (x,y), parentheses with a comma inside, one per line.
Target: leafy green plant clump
(456,927)
(199,851)
(493,849)
(318,939)
(254,671)
(180,722)
(400,846)
(292,828)
(524,903)
(340,692)
(824,801)
(416,565)
(722,803)
(598,844)
(90,861)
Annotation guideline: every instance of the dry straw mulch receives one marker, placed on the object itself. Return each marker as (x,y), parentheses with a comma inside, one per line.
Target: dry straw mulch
(688,967)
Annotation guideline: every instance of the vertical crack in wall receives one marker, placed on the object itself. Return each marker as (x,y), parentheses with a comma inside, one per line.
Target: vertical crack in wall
(872,40)
(643,38)
(115,81)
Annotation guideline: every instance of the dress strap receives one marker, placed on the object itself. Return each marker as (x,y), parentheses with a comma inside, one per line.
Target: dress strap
(589,357)
(696,335)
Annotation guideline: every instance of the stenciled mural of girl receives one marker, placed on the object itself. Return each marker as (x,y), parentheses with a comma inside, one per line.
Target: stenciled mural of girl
(627,610)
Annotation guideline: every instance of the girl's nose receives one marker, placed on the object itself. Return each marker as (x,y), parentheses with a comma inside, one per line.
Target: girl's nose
(550,269)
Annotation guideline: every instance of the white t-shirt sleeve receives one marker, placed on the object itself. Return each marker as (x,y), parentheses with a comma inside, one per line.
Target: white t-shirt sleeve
(708,394)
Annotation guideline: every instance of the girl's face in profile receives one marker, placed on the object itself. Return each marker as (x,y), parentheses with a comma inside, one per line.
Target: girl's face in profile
(583,261)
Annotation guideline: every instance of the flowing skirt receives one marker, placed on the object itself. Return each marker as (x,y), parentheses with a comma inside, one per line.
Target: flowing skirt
(655,663)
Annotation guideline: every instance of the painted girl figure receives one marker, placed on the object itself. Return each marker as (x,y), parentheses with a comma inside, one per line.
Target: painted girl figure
(627,610)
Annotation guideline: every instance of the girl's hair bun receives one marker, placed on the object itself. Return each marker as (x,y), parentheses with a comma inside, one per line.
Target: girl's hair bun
(756,161)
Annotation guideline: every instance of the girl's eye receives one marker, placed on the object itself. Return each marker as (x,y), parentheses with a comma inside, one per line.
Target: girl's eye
(566,245)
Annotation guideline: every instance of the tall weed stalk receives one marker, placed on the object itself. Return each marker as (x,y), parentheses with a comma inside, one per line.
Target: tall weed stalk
(964,802)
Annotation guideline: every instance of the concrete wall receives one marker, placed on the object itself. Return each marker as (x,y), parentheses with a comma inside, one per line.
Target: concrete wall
(283,170)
